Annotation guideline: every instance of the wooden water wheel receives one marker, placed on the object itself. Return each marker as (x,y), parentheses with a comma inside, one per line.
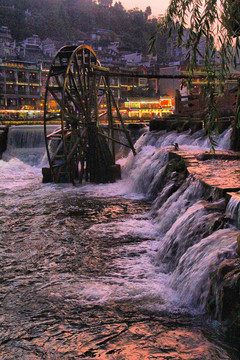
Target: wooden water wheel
(78,94)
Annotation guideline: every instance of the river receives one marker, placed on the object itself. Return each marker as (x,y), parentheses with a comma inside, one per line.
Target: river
(114,271)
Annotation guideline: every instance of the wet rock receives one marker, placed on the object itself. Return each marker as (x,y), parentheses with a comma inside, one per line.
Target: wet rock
(216,206)
(224,298)
(238,245)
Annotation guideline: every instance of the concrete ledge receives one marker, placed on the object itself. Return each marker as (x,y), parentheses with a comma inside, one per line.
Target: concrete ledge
(219,173)
(176,123)
(183,123)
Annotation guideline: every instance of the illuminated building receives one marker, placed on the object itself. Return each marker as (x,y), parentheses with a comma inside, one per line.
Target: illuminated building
(20,85)
(147,109)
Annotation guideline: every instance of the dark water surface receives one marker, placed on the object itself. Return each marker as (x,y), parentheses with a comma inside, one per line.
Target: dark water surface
(63,283)
(81,274)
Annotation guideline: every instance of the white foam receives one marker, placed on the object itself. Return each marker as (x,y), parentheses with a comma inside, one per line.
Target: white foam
(141,240)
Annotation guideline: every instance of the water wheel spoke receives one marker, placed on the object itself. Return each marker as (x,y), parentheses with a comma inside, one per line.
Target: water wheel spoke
(53,93)
(78,93)
(112,139)
(74,148)
(123,125)
(56,153)
(100,115)
(74,101)
(84,72)
(79,77)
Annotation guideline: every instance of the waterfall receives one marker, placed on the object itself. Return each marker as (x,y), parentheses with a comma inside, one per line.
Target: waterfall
(193,233)
(224,140)
(192,276)
(194,237)
(167,213)
(27,144)
(232,209)
(145,171)
(189,228)
(26,137)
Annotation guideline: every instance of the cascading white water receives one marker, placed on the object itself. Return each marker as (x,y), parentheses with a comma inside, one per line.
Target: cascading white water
(185,223)
(231,209)
(180,249)
(191,278)
(197,141)
(27,144)
(190,227)
(26,137)
(176,204)
(145,170)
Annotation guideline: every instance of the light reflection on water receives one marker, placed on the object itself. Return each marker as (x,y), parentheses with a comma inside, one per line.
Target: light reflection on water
(80,278)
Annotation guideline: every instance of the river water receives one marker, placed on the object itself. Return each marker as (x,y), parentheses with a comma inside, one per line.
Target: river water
(114,271)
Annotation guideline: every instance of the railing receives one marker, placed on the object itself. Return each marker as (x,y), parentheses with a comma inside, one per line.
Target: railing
(192,104)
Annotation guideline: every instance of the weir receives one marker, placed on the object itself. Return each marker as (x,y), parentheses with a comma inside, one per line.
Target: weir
(134,264)
(27,143)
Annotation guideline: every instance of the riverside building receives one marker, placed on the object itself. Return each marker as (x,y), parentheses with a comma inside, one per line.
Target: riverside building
(20,85)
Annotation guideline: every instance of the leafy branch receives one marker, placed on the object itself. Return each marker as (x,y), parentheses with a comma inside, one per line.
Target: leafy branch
(209,30)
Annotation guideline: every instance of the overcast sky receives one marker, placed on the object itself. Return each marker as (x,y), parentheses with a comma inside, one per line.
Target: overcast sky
(157,6)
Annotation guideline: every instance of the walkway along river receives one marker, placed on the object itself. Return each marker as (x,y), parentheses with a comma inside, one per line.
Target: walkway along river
(114,271)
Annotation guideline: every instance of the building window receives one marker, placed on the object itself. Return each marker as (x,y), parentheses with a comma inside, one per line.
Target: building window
(10,75)
(33,77)
(143,82)
(34,90)
(22,76)
(10,89)
(22,90)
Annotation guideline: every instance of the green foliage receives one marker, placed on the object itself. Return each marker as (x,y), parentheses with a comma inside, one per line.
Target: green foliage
(231,17)
(217,23)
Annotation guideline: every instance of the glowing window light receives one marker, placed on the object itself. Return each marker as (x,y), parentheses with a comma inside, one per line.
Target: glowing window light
(135,105)
(133,113)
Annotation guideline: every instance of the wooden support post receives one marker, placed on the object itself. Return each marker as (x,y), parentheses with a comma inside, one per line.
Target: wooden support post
(124,126)
(110,117)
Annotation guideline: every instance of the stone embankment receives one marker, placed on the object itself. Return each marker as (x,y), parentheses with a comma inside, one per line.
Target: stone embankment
(183,123)
(219,173)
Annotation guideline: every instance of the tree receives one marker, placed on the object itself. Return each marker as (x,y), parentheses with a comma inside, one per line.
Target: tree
(118,5)
(148,11)
(105,3)
(218,22)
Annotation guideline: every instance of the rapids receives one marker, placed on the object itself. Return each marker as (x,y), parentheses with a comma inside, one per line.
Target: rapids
(110,271)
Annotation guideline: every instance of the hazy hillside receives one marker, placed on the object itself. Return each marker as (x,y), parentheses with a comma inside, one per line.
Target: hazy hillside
(68,19)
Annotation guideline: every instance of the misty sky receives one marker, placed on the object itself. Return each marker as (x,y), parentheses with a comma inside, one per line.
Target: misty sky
(157,6)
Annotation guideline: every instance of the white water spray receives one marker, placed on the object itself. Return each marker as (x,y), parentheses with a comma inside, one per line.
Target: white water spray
(178,247)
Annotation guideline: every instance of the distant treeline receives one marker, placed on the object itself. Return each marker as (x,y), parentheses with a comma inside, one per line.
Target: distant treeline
(67,20)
